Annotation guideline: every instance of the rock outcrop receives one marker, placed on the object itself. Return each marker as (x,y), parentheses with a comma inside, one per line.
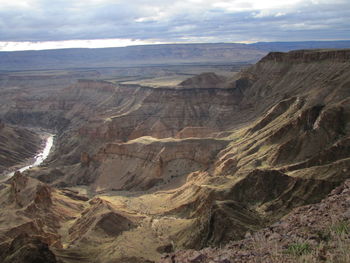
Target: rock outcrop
(307,56)
(100,219)
(35,209)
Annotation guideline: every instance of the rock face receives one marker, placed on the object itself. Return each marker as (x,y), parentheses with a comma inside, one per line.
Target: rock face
(143,163)
(191,166)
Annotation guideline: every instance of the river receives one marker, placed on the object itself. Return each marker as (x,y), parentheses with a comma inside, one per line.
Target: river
(40,157)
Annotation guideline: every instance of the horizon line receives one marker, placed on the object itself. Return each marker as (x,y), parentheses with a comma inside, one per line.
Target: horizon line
(22,46)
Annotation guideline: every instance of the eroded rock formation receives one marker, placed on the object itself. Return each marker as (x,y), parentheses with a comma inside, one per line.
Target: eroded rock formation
(139,171)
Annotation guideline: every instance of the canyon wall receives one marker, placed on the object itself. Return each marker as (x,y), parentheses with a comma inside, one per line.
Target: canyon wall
(144,171)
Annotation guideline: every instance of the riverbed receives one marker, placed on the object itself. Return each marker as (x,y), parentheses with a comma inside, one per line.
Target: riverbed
(40,157)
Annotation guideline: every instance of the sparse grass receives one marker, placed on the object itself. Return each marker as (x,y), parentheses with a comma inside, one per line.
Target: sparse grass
(340,233)
(335,248)
(341,228)
(299,249)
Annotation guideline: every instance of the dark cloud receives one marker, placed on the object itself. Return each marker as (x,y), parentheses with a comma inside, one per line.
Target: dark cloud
(173,21)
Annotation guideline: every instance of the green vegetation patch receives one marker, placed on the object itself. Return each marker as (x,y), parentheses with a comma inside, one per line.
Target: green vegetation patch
(299,249)
(341,228)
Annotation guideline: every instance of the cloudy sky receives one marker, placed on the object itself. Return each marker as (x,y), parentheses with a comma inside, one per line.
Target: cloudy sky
(44,24)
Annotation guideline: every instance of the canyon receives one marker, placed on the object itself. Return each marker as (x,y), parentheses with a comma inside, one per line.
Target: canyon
(159,173)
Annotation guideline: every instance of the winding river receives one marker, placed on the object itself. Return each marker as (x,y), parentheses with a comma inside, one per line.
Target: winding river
(40,157)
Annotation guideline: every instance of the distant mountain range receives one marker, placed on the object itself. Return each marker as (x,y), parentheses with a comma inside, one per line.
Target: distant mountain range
(174,54)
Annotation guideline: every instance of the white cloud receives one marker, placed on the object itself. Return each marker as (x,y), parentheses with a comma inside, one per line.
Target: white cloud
(17,3)
(303,26)
(35,24)
(255,5)
(94,43)
(183,28)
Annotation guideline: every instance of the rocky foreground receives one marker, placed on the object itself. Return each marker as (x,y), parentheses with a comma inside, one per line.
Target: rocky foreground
(313,233)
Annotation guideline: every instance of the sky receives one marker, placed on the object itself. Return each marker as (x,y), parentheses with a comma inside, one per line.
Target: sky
(50,24)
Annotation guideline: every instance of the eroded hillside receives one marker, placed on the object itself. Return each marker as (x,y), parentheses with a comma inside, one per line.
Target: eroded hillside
(140,171)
